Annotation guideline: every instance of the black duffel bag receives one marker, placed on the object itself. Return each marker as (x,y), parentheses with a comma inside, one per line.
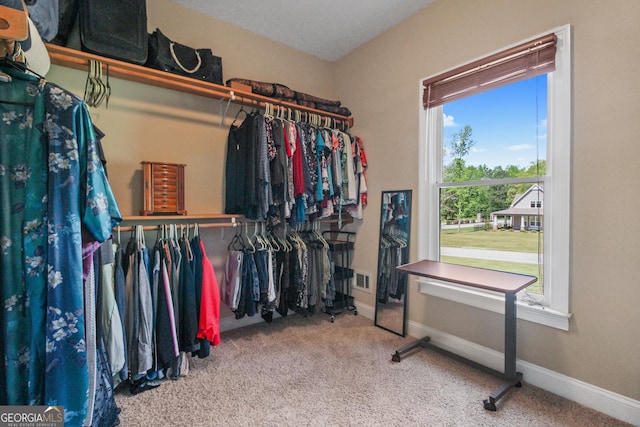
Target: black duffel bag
(115,29)
(167,55)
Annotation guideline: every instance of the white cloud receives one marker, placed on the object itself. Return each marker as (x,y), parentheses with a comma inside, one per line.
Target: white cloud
(543,127)
(520,147)
(477,150)
(448,121)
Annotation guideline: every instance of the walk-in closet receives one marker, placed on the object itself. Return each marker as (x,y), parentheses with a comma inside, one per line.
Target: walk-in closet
(230,213)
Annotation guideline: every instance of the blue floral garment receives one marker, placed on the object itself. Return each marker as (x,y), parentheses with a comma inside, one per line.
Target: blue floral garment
(23,245)
(48,346)
(79,196)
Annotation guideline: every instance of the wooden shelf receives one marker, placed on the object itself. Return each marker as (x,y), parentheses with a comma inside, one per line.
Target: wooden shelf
(152,222)
(79,60)
(191,218)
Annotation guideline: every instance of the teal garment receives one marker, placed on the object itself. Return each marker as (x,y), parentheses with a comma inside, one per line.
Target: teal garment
(23,244)
(53,188)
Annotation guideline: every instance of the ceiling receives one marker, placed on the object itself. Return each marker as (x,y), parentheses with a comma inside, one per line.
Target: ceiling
(328,29)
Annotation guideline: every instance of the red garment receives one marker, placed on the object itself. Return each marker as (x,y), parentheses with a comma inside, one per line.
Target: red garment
(298,171)
(363,160)
(363,156)
(209,324)
(287,143)
(334,140)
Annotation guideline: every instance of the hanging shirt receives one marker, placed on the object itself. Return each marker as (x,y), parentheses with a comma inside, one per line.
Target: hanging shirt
(209,322)
(110,319)
(232,279)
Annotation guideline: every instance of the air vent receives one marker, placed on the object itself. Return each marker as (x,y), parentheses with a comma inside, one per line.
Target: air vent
(363,282)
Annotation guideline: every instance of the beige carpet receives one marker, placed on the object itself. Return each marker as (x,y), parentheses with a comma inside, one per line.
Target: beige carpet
(300,371)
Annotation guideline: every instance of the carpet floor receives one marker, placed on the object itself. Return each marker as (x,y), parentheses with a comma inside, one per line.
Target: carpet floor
(307,371)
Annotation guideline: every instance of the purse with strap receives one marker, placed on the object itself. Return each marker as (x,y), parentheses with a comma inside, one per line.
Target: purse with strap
(176,58)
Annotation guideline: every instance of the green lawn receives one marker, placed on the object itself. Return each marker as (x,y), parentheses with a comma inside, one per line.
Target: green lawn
(502,240)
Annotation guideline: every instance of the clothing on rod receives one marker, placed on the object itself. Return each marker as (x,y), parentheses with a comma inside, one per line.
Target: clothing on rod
(266,274)
(280,170)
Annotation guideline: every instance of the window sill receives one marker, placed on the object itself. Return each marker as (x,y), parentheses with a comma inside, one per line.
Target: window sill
(493,301)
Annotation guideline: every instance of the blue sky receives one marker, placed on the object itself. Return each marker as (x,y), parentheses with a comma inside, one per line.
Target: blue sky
(508,123)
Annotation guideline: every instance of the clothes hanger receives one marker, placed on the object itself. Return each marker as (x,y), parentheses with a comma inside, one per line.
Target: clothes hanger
(273,240)
(247,240)
(7,78)
(316,230)
(265,236)
(268,110)
(236,240)
(90,84)
(256,239)
(13,62)
(108,88)
(241,110)
(95,90)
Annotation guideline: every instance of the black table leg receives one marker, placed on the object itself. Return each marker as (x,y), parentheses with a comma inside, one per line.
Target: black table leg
(397,357)
(512,378)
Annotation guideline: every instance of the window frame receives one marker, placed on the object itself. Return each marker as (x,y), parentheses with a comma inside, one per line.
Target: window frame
(553,310)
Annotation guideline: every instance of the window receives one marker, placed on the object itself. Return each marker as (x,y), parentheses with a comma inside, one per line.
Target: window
(461,189)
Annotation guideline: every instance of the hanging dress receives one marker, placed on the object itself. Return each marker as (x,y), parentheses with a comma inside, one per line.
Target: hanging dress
(53,184)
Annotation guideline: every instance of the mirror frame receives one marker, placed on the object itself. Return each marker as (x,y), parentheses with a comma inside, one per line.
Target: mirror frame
(407,229)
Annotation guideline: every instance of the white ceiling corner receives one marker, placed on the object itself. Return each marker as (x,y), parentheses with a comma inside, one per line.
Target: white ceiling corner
(327,29)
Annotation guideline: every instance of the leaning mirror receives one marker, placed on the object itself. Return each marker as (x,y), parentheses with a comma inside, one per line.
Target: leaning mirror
(393,250)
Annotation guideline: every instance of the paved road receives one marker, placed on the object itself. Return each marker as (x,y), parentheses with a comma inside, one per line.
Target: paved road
(522,257)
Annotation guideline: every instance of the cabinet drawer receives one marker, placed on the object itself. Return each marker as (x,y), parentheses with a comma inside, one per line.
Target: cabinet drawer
(164,193)
(165,203)
(165,183)
(163,188)
(164,209)
(165,173)
(164,199)
(157,167)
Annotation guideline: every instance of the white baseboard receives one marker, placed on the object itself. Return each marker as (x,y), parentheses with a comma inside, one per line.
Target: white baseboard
(366,310)
(605,401)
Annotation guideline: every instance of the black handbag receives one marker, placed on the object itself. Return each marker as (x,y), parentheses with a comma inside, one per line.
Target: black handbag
(115,28)
(172,57)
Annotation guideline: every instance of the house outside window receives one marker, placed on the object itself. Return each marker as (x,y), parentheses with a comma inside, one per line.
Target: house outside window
(523,212)
(520,216)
